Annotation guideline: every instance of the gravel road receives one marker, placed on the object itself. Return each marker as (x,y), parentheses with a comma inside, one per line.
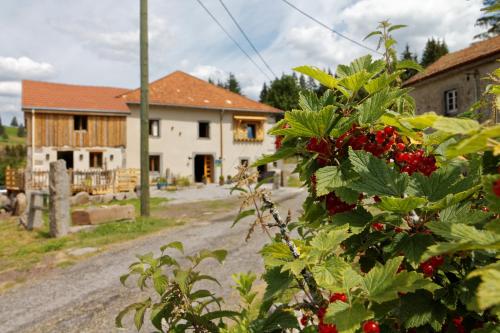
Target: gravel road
(87,296)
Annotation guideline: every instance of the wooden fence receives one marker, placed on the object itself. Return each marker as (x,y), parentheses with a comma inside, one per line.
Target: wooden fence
(91,181)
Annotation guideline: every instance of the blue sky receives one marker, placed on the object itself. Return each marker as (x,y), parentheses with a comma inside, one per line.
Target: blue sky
(96,42)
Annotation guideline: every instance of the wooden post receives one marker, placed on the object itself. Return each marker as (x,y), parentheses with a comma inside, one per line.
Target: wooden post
(144,109)
(59,193)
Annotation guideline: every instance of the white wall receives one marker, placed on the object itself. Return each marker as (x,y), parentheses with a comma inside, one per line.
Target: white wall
(179,143)
(42,163)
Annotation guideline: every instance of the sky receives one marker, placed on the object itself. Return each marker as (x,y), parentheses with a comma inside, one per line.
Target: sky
(96,42)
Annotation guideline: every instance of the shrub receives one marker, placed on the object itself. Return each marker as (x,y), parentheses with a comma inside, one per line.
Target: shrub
(400,226)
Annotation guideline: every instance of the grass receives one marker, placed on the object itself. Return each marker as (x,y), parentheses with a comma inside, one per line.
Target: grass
(13,138)
(21,250)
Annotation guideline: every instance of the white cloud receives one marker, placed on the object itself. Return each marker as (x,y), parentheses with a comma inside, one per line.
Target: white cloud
(206,72)
(24,68)
(10,88)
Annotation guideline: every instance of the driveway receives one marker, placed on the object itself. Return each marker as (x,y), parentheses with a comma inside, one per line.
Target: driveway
(87,296)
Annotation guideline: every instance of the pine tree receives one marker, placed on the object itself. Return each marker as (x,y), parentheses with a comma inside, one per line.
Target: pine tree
(302,82)
(232,84)
(408,55)
(434,49)
(21,131)
(3,133)
(311,84)
(263,94)
(490,20)
(211,81)
(13,122)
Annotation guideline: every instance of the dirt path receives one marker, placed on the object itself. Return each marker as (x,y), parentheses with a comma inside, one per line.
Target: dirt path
(87,296)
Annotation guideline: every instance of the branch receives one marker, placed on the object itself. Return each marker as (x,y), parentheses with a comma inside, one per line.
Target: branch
(306,274)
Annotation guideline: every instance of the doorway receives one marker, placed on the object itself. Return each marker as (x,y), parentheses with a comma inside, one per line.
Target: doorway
(203,168)
(67,156)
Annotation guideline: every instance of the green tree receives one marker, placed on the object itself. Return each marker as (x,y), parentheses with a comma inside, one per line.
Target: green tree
(302,82)
(3,132)
(232,84)
(434,49)
(408,55)
(490,20)
(14,122)
(284,93)
(21,131)
(263,93)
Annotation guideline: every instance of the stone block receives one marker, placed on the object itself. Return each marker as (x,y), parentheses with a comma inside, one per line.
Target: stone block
(104,214)
(81,198)
(21,203)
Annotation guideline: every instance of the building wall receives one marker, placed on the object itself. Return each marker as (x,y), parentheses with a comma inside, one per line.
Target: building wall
(113,158)
(468,81)
(57,130)
(179,143)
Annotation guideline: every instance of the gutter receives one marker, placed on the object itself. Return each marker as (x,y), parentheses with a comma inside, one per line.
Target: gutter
(212,108)
(221,157)
(78,111)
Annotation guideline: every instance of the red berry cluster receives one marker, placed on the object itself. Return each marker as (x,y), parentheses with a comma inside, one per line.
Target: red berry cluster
(376,143)
(335,205)
(457,322)
(329,328)
(378,226)
(322,147)
(429,267)
(496,187)
(416,161)
(277,142)
(371,326)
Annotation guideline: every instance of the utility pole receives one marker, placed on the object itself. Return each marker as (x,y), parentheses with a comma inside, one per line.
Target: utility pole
(144,109)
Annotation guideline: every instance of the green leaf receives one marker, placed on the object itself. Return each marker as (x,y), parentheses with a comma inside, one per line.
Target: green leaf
(414,246)
(348,318)
(396,27)
(401,205)
(363,63)
(139,314)
(119,317)
(420,122)
(488,293)
(329,274)
(242,215)
(221,314)
(374,106)
(321,76)
(376,178)
(409,64)
(420,308)
(327,179)
(455,125)
(355,81)
(173,245)
(309,123)
(281,154)
(160,282)
(436,186)
(309,101)
(279,321)
(356,219)
(462,232)
(276,254)
(278,282)
(327,242)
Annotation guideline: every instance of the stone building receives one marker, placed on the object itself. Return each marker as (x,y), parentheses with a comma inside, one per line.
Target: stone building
(457,80)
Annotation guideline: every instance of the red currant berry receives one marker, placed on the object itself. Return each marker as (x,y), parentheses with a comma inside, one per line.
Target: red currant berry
(327,328)
(304,320)
(321,313)
(485,209)
(378,226)
(338,297)
(389,131)
(496,187)
(377,198)
(436,261)
(380,137)
(371,327)
(427,269)
(398,230)
(401,146)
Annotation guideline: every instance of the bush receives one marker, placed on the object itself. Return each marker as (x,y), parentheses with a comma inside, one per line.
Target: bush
(399,231)
(183,181)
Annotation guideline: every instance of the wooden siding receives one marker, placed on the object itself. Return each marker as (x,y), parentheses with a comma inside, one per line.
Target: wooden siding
(57,130)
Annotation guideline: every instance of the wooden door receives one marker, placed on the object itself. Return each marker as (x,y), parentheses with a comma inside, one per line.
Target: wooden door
(207,168)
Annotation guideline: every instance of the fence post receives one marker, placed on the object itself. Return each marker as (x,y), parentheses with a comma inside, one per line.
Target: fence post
(59,193)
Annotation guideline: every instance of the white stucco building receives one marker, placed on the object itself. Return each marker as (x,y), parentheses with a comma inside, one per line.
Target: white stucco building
(197,130)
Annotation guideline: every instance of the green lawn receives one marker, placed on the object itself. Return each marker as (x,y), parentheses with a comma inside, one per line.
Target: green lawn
(13,139)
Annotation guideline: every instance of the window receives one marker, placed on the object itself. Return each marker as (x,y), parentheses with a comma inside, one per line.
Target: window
(251,131)
(154,127)
(203,129)
(450,102)
(154,163)
(244,162)
(95,159)
(80,123)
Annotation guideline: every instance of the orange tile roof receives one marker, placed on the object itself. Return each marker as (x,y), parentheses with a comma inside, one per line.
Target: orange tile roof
(47,95)
(453,60)
(182,89)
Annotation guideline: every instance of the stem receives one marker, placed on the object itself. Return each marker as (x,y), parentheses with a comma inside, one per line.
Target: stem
(306,274)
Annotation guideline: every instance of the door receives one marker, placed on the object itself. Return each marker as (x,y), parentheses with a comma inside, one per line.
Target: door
(203,168)
(67,156)
(208,168)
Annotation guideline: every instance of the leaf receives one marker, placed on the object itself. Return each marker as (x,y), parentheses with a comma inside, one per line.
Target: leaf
(374,106)
(400,205)
(309,101)
(420,308)
(396,27)
(414,246)
(221,314)
(281,154)
(329,274)
(409,64)
(276,254)
(327,241)
(278,282)
(437,185)
(362,63)
(347,318)
(354,82)
(160,282)
(462,232)
(278,321)
(376,178)
(455,125)
(139,314)
(321,76)
(327,179)
(309,123)
(356,219)
(173,245)
(242,215)
(488,293)
(119,317)
(420,122)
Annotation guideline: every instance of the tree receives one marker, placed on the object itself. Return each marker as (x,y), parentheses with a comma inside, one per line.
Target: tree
(13,122)
(21,131)
(211,81)
(263,93)
(434,49)
(490,20)
(408,55)
(3,132)
(302,82)
(232,84)
(283,93)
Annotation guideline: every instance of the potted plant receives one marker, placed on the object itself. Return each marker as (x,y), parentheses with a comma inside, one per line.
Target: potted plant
(161,183)
(221,180)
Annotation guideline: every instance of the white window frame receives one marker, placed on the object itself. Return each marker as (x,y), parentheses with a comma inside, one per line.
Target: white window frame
(451,102)
(151,133)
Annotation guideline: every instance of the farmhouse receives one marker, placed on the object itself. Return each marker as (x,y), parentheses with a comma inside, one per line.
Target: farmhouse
(453,83)
(196,129)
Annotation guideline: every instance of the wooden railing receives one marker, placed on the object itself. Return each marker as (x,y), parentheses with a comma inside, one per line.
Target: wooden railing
(91,181)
